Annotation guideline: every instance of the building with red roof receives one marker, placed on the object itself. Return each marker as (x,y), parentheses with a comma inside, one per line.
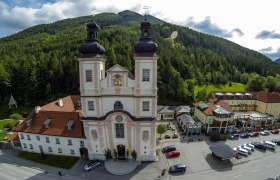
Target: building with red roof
(215,117)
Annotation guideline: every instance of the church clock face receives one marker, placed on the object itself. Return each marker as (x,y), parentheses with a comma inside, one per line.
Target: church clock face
(119,118)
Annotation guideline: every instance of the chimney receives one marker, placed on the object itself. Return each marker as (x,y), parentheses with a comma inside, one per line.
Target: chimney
(60,103)
(37,109)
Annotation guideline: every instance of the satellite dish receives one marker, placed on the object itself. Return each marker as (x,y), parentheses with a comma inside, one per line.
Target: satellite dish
(174,34)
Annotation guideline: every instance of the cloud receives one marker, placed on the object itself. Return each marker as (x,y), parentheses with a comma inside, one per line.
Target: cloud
(269,52)
(16,18)
(268,35)
(208,27)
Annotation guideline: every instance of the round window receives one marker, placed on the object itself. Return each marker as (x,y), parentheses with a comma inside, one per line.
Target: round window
(119,118)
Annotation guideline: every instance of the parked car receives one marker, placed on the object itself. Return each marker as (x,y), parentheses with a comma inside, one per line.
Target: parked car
(168,149)
(178,168)
(92,164)
(250,145)
(244,135)
(247,148)
(270,145)
(242,148)
(254,134)
(259,146)
(234,136)
(172,154)
(237,156)
(167,136)
(276,141)
(278,177)
(275,131)
(241,151)
(265,133)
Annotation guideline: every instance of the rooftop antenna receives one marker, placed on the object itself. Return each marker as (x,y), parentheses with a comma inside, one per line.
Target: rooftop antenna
(147,11)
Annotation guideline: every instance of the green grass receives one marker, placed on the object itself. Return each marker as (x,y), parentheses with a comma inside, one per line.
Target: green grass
(5,135)
(65,162)
(209,88)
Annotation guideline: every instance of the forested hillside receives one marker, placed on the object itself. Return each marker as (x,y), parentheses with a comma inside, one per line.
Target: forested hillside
(40,64)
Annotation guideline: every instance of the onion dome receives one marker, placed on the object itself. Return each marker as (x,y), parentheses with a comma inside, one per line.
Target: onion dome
(91,47)
(145,45)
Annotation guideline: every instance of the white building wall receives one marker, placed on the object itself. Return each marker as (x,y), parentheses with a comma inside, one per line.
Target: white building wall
(108,104)
(66,149)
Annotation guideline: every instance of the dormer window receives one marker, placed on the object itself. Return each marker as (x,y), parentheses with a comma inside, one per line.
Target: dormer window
(47,122)
(28,122)
(70,124)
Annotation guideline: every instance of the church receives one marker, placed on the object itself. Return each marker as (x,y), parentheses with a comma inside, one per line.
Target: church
(116,110)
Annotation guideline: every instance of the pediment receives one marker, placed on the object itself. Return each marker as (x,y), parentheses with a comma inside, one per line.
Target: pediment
(117,68)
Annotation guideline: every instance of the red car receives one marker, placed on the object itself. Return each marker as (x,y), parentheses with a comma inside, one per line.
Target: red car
(172,154)
(275,131)
(254,134)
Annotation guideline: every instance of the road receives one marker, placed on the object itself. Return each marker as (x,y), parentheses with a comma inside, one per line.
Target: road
(11,171)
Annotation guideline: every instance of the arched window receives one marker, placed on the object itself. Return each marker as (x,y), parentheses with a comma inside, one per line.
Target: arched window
(118,105)
(145,135)
(117,80)
(94,134)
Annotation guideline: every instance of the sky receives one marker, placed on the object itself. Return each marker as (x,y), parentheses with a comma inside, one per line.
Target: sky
(250,23)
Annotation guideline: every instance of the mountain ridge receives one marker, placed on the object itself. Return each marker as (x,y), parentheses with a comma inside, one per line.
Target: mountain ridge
(43,58)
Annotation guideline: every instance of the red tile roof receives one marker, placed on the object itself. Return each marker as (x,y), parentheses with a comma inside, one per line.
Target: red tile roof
(209,110)
(198,103)
(14,137)
(57,125)
(70,104)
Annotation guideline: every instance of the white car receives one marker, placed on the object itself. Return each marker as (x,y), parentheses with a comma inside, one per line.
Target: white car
(241,151)
(243,148)
(264,133)
(271,145)
(250,145)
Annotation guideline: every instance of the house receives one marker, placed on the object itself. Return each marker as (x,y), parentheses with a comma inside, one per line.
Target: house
(52,129)
(189,125)
(215,117)
(256,109)
(171,112)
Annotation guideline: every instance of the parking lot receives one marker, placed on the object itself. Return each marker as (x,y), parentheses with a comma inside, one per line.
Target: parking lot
(197,155)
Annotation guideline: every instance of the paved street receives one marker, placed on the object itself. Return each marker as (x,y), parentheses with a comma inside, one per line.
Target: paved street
(194,154)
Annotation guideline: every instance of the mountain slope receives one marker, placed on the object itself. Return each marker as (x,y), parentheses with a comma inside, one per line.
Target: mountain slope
(39,63)
(277,61)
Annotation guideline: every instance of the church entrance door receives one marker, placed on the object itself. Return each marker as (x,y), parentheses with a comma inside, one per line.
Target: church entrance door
(121,151)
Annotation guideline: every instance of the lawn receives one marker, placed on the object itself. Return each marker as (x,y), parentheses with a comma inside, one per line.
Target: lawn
(5,135)
(65,162)
(209,88)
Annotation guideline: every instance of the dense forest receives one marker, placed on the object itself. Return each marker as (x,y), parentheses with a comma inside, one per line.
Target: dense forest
(40,64)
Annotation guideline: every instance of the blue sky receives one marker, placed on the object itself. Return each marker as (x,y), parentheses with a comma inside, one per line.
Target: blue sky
(252,24)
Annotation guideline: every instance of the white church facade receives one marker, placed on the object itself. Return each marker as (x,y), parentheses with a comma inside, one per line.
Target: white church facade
(117,110)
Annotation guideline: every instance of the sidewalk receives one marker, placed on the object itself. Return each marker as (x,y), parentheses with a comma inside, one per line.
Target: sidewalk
(75,172)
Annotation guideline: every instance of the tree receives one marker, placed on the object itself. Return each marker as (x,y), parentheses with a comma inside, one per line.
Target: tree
(244,78)
(161,129)
(270,83)
(255,83)
(16,116)
(201,95)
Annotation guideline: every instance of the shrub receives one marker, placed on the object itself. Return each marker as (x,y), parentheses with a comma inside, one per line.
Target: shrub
(108,154)
(134,155)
